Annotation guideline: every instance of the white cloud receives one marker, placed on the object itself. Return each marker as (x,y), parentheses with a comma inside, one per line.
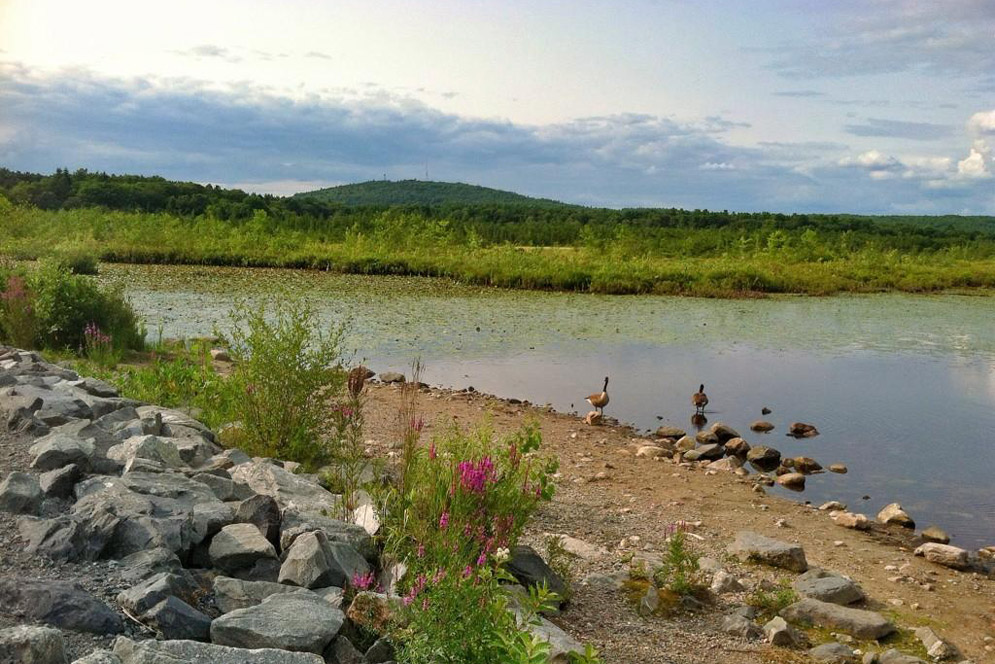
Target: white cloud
(982,122)
(975,165)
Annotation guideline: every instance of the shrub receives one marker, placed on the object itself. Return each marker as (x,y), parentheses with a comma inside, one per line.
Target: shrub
(285,372)
(18,323)
(679,571)
(78,261)
(61,306)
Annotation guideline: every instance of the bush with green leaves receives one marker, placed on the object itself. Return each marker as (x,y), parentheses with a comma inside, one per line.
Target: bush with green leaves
(679,571)
(286,370)
(61,306)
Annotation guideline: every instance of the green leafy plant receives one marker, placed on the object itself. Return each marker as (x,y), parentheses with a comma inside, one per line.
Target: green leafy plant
(771,602)
(286,369)
(18,323)
(679,571)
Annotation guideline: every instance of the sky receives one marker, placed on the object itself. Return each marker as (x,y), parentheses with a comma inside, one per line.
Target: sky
(864,106)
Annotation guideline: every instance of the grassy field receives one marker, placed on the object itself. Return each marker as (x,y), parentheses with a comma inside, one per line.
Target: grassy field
(685,261)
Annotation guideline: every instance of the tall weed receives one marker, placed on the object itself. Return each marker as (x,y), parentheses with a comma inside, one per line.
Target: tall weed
(286,369)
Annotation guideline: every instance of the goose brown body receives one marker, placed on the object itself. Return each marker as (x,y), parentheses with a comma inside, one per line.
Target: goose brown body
(699,399)
(600,399)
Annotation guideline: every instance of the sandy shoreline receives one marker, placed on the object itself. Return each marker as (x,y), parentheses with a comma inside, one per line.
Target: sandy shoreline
(608,497)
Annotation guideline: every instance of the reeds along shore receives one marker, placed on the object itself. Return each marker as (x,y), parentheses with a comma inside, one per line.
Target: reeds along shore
(618,259)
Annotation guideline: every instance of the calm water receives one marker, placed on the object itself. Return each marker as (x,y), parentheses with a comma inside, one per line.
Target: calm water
(901,387)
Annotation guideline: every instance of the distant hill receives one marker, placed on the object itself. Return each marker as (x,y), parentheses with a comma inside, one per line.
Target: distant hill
(422,192)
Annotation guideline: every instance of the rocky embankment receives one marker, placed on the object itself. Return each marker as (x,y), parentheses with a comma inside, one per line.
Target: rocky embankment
(130,536)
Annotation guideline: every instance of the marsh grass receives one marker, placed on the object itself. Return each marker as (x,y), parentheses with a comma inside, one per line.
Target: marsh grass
(708,261)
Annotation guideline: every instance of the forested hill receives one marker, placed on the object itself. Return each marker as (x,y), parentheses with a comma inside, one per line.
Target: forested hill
(422,192)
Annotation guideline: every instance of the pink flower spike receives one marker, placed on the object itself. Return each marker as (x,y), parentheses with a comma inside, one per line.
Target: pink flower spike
(444,520)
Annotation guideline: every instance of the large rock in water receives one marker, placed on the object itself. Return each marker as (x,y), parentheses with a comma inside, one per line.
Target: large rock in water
(755,547)
(764,458)
(855,622)
(118,516)
(60,603)
(301,622)
(289,490)
(193,652)
(894,514)
(27,644)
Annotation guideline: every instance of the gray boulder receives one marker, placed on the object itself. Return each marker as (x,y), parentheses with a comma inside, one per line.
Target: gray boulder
(262,512)
(529,569)
(59,483)
(341,651)
(150,448)
(306,563)
(294,524)
(834,653)
(381,651)
(175,619)
(28,644)
(752,546)
(945,554)
(99,657)
(20,493)
(892,656)
(239,546)
(297,621)
(828,587)
(59,603)
(157,588)
(194,652)
(232,594)
(741,626)
(780,633)
(289,490)
(58,449)
(855,622)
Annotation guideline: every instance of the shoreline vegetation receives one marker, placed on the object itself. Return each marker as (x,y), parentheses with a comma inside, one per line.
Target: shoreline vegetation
(533,245)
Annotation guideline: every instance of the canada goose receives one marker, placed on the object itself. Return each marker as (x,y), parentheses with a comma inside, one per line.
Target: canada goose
(699,399)
(600,400)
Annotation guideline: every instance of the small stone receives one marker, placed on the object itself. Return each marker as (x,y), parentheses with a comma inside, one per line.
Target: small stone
(762,426)
(741,626)
(793,481)
(835,653)
(832,506)
(723,582)
(936,534)
(780,633)
(838,468)
(852,521)
(649,602)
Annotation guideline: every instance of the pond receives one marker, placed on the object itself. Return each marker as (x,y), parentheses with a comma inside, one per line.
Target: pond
(901,387)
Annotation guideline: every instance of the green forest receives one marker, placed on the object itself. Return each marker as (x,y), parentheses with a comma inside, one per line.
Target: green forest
(490,237)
